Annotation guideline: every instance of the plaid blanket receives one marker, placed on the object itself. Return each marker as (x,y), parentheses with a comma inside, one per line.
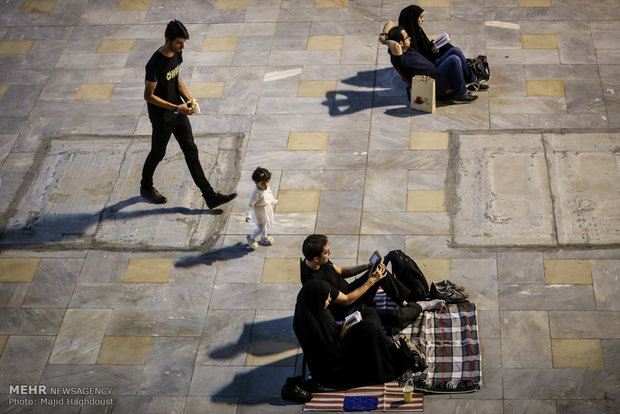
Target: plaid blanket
(449,340)
(390,398)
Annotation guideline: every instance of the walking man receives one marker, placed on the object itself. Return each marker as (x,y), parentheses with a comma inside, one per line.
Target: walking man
(168,114)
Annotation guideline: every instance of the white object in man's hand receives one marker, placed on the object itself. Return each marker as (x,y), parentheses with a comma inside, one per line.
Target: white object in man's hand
(193,103)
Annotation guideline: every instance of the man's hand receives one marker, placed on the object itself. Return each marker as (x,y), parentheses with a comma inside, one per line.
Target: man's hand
(186,110)
(379,273)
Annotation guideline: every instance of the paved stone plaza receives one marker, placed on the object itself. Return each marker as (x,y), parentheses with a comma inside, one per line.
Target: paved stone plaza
(515,196)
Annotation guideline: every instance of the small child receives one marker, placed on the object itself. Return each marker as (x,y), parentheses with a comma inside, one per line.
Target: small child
(260,208)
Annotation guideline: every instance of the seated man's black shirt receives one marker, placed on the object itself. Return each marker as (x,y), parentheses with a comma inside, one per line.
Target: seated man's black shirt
(329,274)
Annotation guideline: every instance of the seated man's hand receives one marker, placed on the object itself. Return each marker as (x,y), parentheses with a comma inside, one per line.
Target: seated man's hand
(382,38)
(379,273)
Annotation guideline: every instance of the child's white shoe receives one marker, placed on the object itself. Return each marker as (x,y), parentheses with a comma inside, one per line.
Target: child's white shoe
(251,242)
(267,240)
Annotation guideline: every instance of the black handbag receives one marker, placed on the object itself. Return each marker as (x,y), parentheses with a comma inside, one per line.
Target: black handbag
(480,66)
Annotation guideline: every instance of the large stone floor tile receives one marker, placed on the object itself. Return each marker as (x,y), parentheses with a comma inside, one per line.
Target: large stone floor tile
(525,339)
(53,284)
(253,296)
(520,267)
(20,362)
(235,381)
(584,324)
(155,322)
(225,337)
(479,277)
(80,336)
(605,274)
(30,321)
(538,297)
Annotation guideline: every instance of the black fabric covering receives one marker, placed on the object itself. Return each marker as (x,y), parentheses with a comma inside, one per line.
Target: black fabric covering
(363,357)
(408,19)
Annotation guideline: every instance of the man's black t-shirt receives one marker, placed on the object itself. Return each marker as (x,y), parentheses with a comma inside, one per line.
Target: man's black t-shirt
(326,272)
(165,71)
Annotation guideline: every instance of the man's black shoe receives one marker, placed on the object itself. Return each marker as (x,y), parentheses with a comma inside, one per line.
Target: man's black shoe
(217,199)
(468,97)
(152,195)
(477,86)
(291,391)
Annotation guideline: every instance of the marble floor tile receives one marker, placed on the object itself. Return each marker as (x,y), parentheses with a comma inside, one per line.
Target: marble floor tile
(549,297)
(567,271)
(435,270)
(349,207)
(384,190)
(280,271)
(577,353)
(426,200)
(30,321)
(18,270)
(325,42)
(520,267)
(605,280)
(15,47)
(148,270)
(53,284)
(20,363)
(169,365)
(584,324)
(80,335)
(307,141)
(124,380)
(124,350)
(297,201)
(525,339)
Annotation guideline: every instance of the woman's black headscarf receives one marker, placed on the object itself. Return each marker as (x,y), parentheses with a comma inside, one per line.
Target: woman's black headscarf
(314,326)
(408,19)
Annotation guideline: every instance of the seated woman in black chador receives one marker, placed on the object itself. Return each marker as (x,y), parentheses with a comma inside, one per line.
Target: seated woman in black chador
(411,19)
(337,357)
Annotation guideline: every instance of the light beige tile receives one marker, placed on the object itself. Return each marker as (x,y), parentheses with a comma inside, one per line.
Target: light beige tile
(433,3)
(539,41)
(577,353)
(533,3)
(315,88)
(206,89)
(425,200)
(576,272)
(280,271)
(18,270)
(219,44)
(95,91)
(3,89)
(428,140)
(133,5)
(38,6)
(544,88)
(15,47)
(116,45)
(434,270)
(279,352)
(3,339)
(124,350)
(232,4)
(297,201)
(325,42)
(331,4)
(307,141)
(148,270)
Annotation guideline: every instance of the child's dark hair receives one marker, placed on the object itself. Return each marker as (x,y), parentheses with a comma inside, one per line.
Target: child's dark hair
(176,29)
(261,175)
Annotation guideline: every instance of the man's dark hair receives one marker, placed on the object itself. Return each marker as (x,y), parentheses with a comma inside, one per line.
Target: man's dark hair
(261,175)
(396,34)
(176,29)
(313,246)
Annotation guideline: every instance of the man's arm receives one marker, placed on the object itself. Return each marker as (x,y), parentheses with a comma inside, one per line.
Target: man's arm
(149,96)
(347,299)
(350,271)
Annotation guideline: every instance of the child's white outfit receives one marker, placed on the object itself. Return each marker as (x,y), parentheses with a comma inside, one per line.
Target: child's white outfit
(260,210)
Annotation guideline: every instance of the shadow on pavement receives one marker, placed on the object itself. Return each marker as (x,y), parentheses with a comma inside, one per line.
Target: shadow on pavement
(234,251)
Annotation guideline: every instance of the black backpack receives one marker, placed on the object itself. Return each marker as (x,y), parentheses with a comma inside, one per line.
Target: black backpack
(408,272)
(480,66)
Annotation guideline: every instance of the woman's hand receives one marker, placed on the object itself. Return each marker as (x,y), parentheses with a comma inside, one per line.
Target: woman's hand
(433,48)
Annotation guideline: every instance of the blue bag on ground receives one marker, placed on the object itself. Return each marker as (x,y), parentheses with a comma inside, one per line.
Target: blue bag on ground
(360,403)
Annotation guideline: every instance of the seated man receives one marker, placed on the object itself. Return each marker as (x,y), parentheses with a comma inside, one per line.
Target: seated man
(448,74)
(361,292)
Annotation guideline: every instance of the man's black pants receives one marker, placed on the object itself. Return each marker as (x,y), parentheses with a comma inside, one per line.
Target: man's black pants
(180,127)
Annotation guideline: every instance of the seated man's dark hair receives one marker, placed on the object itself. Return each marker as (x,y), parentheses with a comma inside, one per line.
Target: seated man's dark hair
(261,175)
(396,34)
(313,246)
(176,29)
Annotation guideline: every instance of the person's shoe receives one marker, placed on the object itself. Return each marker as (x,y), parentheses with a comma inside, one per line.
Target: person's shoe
(251,242)
(446,283)
(477,86)
(217,199)
(467,98)
(449,294)
(292,391)
(267,240)
(152,195)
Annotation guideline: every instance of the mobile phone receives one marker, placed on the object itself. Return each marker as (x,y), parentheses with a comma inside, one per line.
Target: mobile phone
(375,260)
